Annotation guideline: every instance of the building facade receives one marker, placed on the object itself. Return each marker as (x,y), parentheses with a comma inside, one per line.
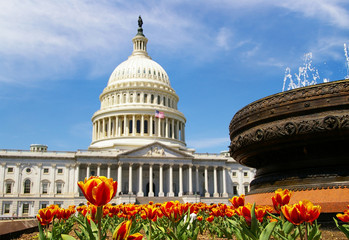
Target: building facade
(138,139)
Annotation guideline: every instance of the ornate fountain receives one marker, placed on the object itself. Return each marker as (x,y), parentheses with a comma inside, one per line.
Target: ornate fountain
(298,139)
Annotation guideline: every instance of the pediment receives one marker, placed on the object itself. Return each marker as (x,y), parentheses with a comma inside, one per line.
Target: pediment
(156,150)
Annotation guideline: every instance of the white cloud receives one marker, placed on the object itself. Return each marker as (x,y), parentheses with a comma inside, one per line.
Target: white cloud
(224,38)
(331,12)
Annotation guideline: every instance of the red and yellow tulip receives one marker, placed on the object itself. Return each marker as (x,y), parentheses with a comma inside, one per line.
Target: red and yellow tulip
(304,211)
(98,190)
(45,216)
(281,198)
(238,201)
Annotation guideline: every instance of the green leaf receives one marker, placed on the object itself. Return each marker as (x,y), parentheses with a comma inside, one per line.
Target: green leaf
(254,221)
(287,227)
(267,231)
(41,233)
(67,237)
(89,229)
(344,228)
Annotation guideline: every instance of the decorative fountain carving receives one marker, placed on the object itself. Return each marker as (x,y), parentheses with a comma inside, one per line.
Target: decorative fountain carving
(296,139)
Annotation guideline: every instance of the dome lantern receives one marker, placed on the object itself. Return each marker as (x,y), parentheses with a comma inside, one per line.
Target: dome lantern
(140,41)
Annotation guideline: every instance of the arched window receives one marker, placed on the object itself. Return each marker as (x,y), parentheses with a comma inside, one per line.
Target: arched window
(27,186)
(153,127)
(145,98)
(152,98)
(158,99)
(164,101)
(131,98)
(59,187)
(168,102)
(44,187)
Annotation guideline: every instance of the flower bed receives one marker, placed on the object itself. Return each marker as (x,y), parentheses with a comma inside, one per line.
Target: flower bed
(174,220)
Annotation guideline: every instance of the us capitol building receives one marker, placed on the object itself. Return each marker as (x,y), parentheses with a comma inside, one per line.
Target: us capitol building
(138,139)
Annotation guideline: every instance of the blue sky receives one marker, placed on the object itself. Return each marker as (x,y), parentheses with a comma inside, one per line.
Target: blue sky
(56,58)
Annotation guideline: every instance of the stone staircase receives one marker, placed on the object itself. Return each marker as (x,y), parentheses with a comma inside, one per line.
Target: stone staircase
(145,200)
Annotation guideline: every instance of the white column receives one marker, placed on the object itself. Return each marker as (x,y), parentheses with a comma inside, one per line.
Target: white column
(225,194)
(98,169)
(130,179)
(140,181)
(197,179)
(180,192)
(93,131)
(39,178)
(109,128)
(116,126)
(166,135)
(134,125)
(54,178)
(88,171)
(76,188)
(142,125)
(125,124)
(159,127)
(151,191)
(119,178)
(161,181)
(66,184)
(18,183)
(171,193)
(120,126)
(108,170)
(151,125)
(103,128)
(215,191)
(190,179)
(241,181)
(2,179)
(207,194)
(98,129)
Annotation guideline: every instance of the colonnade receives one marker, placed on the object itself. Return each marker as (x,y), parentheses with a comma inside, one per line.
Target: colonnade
(138,125)
(164,177)
(136,97)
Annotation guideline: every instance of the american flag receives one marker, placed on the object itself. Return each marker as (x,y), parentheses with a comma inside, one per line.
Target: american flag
(159,114)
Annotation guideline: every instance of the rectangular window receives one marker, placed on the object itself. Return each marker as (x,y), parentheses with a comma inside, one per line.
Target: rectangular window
(59,188)
(25,209)
(60,170)
(46,171)
(8,187)
(235,190)
(234,174)
(138,126)
(10,170)
(246,189)
(7,208)
(44,188)
(245,174)
(43,205)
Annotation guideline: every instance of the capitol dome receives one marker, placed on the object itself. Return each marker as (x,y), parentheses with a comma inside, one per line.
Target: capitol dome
(138,106)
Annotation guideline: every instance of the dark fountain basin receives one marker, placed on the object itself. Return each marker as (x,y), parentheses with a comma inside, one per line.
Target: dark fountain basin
(297,140)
